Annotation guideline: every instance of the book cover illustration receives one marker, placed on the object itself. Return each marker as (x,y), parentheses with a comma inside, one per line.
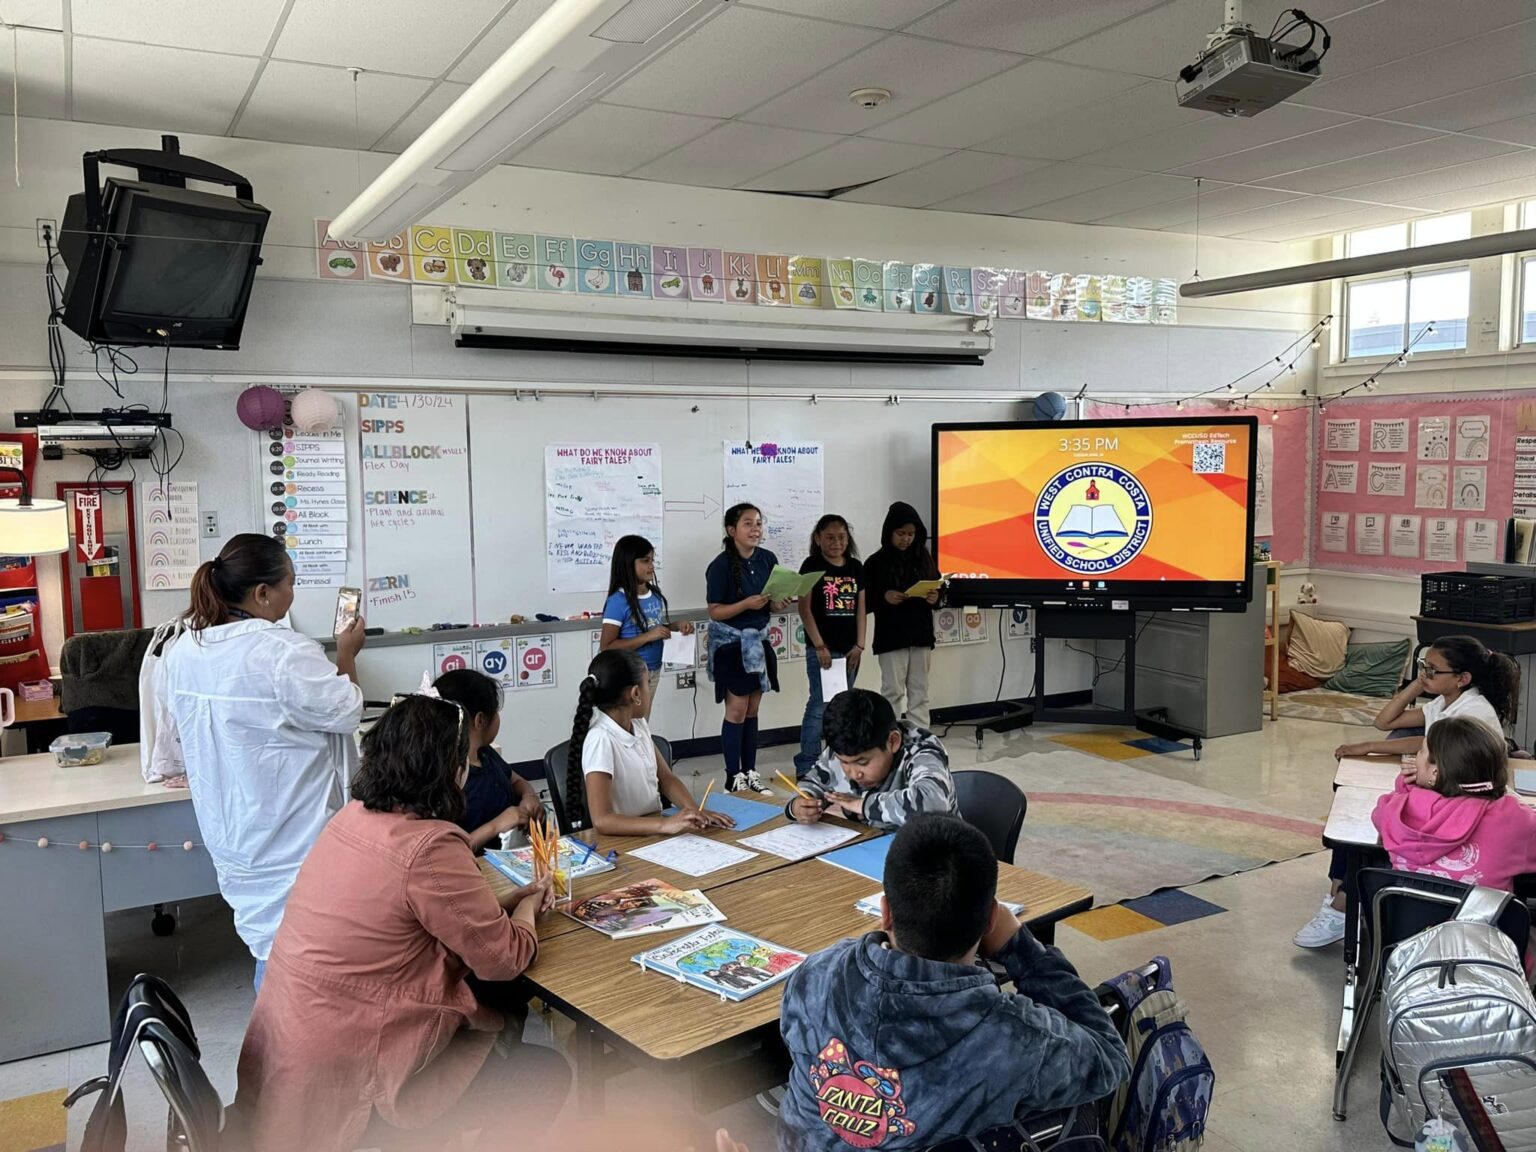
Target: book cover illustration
(575,861)
(731,964)
(643,907)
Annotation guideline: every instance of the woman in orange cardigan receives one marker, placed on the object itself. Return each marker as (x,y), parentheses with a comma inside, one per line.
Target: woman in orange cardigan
(366,1012)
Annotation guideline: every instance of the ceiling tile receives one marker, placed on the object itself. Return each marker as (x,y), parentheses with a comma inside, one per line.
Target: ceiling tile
(1474,196)
(311,104)
(916,72)
(738,60)
(1521,130)
(1343,142)
(850,161)
(1407,188)
(610,140)
(1141,111)
(34,13)
(874,13)
(1490,104)
(1211,205)
(144,86)
(1207,137)
(1033,188)
(240,29)
(1429,75)
(1393,29)
(942,179)
(1034,90)
(1029,26)
(432,105)
(1087,207)
(1296,211)
(497,39)
(1426,156)
(403,36)
(40,83)
(1329,225)
(732,154)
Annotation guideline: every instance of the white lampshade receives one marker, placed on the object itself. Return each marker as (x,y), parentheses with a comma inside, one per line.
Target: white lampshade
(37,529)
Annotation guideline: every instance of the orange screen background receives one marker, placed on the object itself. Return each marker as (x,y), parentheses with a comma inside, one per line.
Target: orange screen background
(990,479)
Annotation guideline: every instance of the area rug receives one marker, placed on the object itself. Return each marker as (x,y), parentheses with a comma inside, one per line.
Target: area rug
(1329,706)
(1123,833)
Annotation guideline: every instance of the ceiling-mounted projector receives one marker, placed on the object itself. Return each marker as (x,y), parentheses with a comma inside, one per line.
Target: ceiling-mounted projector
(1241,73)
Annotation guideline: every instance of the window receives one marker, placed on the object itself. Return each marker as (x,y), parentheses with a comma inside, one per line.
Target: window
(1526,329)
(1385,314)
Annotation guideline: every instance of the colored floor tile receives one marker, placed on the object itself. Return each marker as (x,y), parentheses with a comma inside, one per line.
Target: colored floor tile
(1173,907)
(1158,744)
(33,1123)
(1107,747)
(1111,923)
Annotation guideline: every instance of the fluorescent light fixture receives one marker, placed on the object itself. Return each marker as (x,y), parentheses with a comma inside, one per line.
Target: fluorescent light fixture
(1473,248)
(570,56)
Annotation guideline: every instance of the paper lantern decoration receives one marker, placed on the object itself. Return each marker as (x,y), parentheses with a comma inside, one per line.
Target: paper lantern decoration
(315,411)
(260,408)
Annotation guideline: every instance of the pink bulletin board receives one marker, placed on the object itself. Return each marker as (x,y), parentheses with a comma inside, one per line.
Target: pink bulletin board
(1442,446)
(1289,476)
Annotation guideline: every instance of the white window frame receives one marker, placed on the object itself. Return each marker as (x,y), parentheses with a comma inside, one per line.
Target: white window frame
(1407,274)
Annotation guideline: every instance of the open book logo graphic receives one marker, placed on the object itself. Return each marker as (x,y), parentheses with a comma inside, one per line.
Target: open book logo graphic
(1093,518)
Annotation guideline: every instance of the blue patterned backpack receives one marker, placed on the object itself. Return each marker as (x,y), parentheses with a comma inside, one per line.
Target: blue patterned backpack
(1164,1105)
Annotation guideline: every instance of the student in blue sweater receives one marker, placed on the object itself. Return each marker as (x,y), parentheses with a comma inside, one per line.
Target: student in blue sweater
(899,1040)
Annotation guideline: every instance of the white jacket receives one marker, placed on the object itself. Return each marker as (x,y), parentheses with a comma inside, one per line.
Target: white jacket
(266,725)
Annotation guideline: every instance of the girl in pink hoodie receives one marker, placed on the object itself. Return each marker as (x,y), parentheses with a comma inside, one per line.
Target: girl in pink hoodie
(1452,815)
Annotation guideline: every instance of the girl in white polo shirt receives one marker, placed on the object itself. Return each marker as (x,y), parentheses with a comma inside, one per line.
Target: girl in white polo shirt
(617,776)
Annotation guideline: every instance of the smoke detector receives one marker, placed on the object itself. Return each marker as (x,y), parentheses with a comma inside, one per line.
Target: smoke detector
(869,97)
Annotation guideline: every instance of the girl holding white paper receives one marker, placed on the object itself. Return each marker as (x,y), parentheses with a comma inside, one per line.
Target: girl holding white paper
(635,616)
(833,615)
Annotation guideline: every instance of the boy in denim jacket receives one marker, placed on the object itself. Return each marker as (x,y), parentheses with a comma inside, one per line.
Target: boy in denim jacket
(898,1040)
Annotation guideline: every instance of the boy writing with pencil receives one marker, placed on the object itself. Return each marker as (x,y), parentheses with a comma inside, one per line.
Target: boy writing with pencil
(900,1040)
(874,769)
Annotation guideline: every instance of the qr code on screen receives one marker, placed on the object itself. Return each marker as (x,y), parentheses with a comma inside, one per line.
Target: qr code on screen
(1210,459)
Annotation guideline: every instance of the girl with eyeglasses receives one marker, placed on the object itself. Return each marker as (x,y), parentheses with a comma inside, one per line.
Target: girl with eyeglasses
(1464,680)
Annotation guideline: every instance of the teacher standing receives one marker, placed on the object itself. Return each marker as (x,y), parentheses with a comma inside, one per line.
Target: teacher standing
(266,725)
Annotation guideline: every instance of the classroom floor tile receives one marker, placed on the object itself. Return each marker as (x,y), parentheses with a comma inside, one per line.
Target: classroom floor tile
(1173,906)
(33,1123)
(1109,747)
(1158,745)
(1112,922)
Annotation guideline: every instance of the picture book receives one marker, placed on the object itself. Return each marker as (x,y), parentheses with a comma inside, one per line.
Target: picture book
(575,861)
(643,907)
(731,964)
(870,906)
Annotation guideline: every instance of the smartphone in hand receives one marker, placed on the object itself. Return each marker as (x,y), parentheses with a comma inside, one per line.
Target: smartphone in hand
(349,602)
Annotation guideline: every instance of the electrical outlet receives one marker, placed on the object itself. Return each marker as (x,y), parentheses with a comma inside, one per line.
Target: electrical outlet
(685,680)
(210,523)
(1032,641)
(53,233)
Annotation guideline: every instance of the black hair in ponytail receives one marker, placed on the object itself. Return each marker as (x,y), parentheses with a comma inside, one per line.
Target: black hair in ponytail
(1493,674)
(246,561)
(611,674)
(733,515)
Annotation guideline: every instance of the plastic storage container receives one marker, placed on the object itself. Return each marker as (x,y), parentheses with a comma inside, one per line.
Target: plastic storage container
(79,749)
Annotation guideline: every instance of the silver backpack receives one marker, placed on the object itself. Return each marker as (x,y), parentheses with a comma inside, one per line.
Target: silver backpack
(1455,997)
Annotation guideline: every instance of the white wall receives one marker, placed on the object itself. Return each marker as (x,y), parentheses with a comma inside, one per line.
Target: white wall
(348,336)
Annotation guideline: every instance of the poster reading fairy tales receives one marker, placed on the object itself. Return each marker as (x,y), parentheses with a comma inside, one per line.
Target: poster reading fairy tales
(859,1101)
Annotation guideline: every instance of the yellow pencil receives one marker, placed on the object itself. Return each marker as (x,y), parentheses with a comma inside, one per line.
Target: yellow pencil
(793,785)
(707,789)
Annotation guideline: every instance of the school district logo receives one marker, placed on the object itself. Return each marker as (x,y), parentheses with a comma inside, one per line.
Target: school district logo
(1093,518)
(861,1103)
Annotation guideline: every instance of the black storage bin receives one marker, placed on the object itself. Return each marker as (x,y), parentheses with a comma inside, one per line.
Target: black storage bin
(1478,598)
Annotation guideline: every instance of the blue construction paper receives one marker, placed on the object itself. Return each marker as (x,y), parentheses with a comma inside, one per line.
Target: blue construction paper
(867,858)
(746,813)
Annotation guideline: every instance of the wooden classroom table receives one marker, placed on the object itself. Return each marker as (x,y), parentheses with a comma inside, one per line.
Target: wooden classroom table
(629,868)
(41,721)
(730,1050)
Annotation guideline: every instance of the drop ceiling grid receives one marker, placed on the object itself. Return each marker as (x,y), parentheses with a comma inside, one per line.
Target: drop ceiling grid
(996,102)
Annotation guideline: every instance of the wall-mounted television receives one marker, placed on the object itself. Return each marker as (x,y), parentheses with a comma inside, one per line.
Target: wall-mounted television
(1109,514)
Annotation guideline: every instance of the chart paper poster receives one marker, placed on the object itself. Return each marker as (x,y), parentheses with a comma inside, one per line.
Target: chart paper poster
(1482,541)
(1335,533)
(168,515)
(1138,500)
(1264,483)
(1370,533)
(1341,435)
(1405,536)
(784,480)
(1440,539)
(593,494)
(418,561)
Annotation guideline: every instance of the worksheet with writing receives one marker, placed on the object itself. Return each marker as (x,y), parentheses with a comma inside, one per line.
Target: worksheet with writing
(798,841)
(692,855)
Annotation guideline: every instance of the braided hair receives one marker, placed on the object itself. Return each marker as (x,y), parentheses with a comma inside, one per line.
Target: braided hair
(733,515)
(1493,674)
(612,673)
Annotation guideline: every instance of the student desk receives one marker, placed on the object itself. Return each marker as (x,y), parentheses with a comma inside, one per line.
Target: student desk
(53,963)
(729,1050)
(41,720)
(629,868)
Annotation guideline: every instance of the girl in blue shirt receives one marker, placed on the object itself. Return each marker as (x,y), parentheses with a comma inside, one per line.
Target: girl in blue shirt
(742,666)
(635,613)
